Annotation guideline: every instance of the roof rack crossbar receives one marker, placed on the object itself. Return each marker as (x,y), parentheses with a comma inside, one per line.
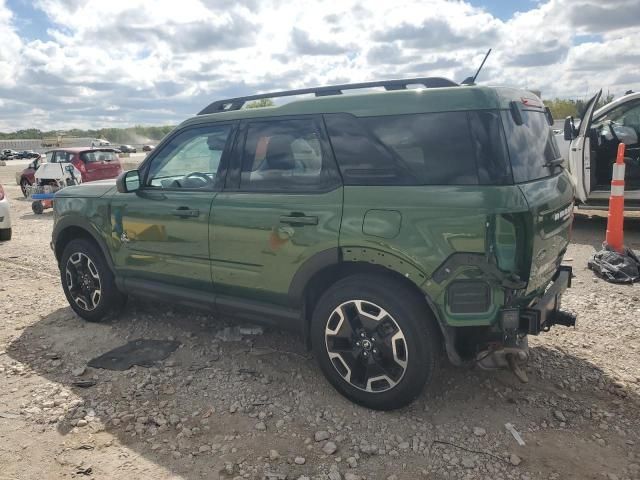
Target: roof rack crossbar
(389,85)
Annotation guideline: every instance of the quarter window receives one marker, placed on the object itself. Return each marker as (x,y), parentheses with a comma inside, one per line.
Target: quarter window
(449,148)
(283,155)
(191,160)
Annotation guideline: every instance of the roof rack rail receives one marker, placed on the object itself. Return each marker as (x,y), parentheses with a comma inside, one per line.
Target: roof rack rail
(238,102)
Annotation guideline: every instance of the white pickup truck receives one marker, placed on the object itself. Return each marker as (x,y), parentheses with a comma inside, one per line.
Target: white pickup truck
(589,148)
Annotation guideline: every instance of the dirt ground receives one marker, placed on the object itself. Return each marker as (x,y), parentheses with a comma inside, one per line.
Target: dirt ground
(258,407)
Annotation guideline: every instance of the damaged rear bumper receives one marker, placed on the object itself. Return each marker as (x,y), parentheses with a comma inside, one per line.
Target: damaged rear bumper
(517,323)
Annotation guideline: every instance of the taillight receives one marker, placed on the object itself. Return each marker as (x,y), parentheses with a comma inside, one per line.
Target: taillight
(1,193)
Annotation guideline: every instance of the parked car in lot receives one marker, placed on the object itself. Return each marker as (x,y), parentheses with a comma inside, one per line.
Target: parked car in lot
(127,149)
(8,154)
(92,163)
(148,148)
(26,154)
(5,217)
(26,177)
(591,147)
(381,226)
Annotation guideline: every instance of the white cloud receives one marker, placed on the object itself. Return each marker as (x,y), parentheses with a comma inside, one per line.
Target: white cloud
(124,62)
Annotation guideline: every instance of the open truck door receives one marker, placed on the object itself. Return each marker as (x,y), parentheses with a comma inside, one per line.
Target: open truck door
(580,149)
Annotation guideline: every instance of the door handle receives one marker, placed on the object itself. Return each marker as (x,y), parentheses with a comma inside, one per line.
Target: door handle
(296,219)
(185,212)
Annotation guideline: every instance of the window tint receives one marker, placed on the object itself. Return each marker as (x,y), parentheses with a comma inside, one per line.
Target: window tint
(283,155)
(450,148)
(191,159)
(98,156)
(487,141)
(362,158)
(434,147)
(531,146)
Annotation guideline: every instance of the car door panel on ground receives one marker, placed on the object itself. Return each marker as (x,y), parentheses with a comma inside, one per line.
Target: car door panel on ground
(282,204)
(162,230)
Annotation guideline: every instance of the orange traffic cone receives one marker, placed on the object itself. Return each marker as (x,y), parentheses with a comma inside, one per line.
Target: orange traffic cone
(615,221)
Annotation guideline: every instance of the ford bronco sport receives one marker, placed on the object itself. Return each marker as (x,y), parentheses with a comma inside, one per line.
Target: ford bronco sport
(381,225)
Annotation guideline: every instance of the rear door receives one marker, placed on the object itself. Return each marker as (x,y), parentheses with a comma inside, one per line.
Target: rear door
(100,164)
(547,187)
(580,152)
(281,206)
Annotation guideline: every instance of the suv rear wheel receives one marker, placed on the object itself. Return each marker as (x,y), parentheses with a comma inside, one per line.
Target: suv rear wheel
(88,282)
(375,341)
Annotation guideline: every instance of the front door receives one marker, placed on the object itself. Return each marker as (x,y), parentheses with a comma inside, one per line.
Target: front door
(162,230)
(580,152)
(282,205)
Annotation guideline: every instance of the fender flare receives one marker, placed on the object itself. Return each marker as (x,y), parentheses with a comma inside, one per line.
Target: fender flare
(82,223)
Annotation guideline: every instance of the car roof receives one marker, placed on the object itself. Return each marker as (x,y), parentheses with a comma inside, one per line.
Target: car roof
(394,102)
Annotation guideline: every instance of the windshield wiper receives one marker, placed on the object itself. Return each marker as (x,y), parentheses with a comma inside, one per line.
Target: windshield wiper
(558,162)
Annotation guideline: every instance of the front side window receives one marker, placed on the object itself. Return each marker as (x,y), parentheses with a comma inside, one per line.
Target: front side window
(191,160)
(98,156)
(282,155)
(61,157)
(532,146)
(624,120)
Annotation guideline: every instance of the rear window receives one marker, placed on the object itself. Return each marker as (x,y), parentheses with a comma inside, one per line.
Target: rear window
(531,146)
(450,148)
(98,156)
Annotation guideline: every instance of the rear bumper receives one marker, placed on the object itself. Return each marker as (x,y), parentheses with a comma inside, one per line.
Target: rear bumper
(545,312)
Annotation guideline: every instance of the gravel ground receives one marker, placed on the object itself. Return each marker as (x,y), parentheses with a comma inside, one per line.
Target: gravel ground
(233,403)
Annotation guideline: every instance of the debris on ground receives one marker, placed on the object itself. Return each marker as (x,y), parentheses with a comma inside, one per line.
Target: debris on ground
(141,352)
(616,267)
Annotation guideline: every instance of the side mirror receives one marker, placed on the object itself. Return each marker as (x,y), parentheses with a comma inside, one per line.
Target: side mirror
(128,181)
(69,168)
(569,129)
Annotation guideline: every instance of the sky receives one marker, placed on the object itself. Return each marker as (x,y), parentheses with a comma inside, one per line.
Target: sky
(94,63)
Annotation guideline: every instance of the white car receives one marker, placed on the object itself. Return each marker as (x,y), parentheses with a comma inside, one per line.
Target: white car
(5,218)
(591,148)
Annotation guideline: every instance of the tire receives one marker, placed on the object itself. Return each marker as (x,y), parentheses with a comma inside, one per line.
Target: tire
(5,234)
(37,207)
(24,184)
(403,320)
(83,264)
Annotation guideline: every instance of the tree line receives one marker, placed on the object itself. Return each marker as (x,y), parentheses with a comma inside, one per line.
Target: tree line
(137,134)
(562,108)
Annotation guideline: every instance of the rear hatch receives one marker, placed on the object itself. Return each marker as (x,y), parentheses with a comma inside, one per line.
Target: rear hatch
(539,172)
(101,164)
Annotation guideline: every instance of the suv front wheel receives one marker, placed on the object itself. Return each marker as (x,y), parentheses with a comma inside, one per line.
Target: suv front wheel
(375,341)
(88,282)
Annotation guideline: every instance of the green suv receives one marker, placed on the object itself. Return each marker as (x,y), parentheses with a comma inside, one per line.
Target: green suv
(384,226)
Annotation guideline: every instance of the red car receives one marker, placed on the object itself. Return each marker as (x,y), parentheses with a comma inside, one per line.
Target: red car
(93,164)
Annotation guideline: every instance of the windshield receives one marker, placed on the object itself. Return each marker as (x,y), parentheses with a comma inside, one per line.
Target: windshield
(532,146)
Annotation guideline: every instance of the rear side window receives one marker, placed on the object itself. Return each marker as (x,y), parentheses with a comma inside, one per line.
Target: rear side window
(285,155)
(449,148)
(98,156)
(531,146)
